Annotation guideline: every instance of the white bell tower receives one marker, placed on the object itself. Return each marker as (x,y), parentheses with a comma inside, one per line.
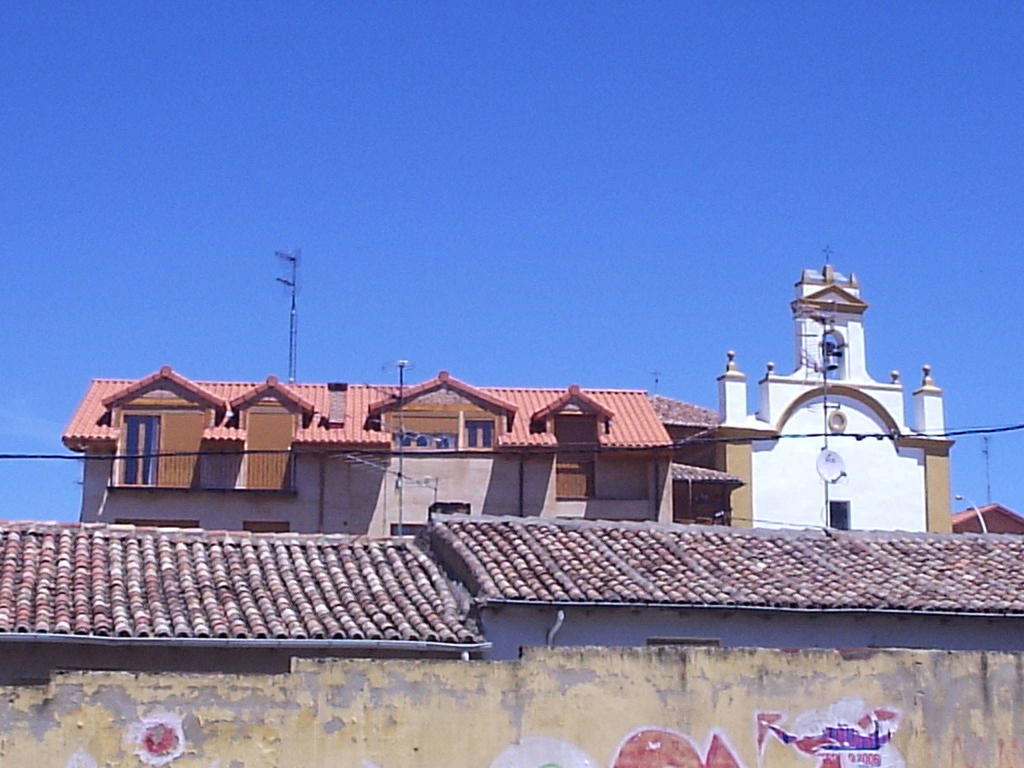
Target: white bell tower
(895,474)
(828,315)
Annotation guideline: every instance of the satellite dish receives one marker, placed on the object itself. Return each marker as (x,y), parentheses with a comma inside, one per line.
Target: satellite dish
(830,466)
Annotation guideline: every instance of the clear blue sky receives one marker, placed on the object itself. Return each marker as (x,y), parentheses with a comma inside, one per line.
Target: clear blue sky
(527,193)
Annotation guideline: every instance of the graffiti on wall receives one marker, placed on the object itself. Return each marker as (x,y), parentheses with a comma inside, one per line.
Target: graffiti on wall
(157,739)
(846,734)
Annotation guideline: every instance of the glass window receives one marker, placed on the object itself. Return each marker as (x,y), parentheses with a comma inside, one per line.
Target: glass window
(839,515)
(142,443)
(479,434)
(430,441)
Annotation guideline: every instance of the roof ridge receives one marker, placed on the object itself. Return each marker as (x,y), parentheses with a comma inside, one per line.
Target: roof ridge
(725,530)
(218,535)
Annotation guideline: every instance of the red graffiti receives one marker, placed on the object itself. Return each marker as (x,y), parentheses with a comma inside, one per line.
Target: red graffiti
(660,748)
(160,739)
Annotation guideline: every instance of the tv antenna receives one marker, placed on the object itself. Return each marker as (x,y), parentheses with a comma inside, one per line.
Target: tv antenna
(402,365)
(291,258)
(657,379)
(988,476)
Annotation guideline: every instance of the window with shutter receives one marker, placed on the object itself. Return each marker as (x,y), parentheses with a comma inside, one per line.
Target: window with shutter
(574,477)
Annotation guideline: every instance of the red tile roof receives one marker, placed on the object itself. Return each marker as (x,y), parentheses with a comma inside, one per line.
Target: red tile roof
(511,559)
(272,385)
(164,374)
(998,519)
(573,395)
(703,475)
(443,379)
(123,581)
(678,413)
(635,424)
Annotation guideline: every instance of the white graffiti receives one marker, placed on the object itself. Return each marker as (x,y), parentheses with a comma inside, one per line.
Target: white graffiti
(81,760)
(543,752)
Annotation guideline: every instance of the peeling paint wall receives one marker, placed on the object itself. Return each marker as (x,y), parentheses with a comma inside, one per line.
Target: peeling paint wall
(561,708)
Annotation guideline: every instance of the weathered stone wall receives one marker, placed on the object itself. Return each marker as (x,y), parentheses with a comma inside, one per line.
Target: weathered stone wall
(564,708)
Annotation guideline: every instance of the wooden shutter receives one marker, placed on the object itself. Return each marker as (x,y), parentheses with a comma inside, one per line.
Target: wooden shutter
(574,477)
(269,432)
(180,432)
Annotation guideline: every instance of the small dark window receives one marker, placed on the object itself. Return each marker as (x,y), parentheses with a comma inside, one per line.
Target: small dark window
(839,515)
(406,529)
(142,442)
(687,641)
(265,526)
(479,434)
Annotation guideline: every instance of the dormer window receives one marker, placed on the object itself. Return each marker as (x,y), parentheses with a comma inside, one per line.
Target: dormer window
(442,414)
(479,433)
(141,444)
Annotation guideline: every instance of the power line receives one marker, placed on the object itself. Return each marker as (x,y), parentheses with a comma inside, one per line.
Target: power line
(693,440)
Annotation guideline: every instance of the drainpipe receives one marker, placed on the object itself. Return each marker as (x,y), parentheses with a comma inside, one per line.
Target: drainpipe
(559,620)
(320,501)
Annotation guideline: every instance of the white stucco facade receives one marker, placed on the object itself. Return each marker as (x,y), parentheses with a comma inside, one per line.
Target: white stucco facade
(895,473)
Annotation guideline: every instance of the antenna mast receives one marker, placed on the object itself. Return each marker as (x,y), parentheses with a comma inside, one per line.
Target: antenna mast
(292,282)
(988,476)
(400,482)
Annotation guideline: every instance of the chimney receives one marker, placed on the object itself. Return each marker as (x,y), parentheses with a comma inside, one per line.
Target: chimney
(732,393)
(338,392)
(928,415)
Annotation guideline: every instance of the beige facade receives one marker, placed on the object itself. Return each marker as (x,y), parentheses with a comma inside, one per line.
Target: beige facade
(363,459)
(571,708)
(357,493)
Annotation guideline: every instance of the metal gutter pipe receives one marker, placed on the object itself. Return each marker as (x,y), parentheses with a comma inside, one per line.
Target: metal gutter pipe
(227,642)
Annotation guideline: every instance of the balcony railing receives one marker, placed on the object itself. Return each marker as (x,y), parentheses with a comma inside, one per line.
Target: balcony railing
(208,471)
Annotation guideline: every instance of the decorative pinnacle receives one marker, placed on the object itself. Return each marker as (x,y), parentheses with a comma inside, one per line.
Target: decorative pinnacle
(927,380)
(769,367)
(730,365)
(895,376)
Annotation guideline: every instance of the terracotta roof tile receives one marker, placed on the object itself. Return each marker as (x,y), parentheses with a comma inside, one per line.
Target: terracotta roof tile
(123,581)
(703,475)
(511,559)
(682,414)
(635,424)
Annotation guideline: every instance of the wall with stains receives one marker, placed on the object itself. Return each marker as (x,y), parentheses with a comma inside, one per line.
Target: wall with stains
(510,627)
(560,708)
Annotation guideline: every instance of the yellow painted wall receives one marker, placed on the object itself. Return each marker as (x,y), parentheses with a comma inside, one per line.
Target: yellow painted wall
(570,708)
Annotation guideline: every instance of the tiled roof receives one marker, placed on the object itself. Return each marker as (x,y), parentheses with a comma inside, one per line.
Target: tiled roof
(682,414)
(998,519)
(511,559)
(703,475)
(443,379)
(123,581)
(635,424)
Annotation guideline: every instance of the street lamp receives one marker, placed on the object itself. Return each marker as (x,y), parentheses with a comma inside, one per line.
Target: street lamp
(977,512)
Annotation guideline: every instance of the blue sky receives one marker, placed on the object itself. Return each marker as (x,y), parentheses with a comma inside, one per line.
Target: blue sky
(527,193)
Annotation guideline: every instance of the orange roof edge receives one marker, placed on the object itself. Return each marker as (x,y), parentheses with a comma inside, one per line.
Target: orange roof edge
(444,379)
(168,373)
(272,384)
(573,393)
